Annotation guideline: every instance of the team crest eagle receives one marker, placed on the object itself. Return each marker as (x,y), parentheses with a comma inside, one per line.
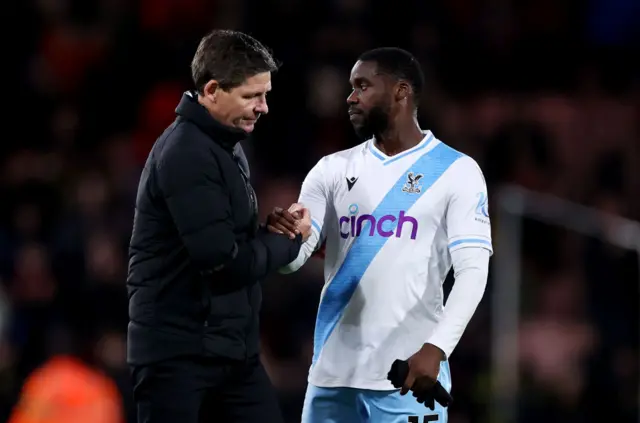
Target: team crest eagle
(412,186)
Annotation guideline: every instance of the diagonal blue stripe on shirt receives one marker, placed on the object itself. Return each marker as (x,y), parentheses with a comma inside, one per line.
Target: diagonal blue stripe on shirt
(365,248)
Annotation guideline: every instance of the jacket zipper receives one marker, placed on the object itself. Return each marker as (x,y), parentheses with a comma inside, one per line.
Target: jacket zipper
(253,204)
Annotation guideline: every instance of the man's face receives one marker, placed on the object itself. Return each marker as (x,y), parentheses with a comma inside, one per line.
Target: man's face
(240,107)
(369,101)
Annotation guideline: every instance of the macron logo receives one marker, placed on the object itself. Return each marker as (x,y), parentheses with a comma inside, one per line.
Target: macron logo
(351,182)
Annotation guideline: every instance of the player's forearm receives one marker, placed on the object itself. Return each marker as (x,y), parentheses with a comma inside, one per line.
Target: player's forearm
(306,250)
(471,266)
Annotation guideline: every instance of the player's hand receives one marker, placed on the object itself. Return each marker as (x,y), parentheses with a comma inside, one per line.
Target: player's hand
(295,209)
(428,396)
(304,224)
(298,211)
(283,222)
(296,220)
(424,367)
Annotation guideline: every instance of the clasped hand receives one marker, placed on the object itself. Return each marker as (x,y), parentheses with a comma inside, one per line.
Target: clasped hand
(296,220)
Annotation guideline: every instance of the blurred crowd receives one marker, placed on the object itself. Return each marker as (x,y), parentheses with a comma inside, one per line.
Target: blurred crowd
(543,94)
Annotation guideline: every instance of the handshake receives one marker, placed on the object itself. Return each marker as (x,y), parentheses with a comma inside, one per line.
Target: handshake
(296,220)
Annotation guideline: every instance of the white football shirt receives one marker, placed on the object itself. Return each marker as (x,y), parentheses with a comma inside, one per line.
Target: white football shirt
(390,225)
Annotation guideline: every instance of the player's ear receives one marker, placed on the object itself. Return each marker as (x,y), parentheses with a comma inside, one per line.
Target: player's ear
(210,90)
(403,90)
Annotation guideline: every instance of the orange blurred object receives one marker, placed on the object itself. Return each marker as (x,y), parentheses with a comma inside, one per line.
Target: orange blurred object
(65,390)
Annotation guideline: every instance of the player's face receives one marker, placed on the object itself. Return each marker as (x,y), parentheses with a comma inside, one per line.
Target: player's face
(240,107)
(369,101)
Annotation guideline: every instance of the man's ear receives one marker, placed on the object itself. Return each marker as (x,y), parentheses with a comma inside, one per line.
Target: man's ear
(403,90)
(210,90)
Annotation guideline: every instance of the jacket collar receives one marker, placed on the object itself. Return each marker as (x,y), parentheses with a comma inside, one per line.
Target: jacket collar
(191,110)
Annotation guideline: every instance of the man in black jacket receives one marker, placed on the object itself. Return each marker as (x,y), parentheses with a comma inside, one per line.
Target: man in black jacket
(197,252)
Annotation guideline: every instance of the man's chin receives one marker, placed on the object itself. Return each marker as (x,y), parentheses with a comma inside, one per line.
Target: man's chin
(247,125)
(248,128)
(362,132)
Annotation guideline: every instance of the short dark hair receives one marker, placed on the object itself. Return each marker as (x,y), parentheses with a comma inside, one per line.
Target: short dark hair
(399,64)
(229,57)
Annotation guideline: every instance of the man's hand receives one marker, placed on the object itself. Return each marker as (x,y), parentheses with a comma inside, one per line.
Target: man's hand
(283,222)
(296,220)
(424,367)
(304,224)
(398,373)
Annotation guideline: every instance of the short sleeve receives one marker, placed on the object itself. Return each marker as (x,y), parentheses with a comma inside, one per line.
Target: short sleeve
(467,217)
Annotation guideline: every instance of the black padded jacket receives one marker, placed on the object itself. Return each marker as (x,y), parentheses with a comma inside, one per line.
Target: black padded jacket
(197,252)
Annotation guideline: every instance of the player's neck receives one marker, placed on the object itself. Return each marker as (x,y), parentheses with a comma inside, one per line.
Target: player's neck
(399,137)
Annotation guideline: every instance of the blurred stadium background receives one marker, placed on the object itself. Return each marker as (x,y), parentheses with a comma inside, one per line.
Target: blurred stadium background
(544,94)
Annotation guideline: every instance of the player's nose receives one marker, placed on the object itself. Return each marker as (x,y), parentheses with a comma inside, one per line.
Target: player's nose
(262,107)
(353,98)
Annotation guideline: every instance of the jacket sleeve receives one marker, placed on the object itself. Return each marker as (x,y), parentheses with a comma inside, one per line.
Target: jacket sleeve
(192,185)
